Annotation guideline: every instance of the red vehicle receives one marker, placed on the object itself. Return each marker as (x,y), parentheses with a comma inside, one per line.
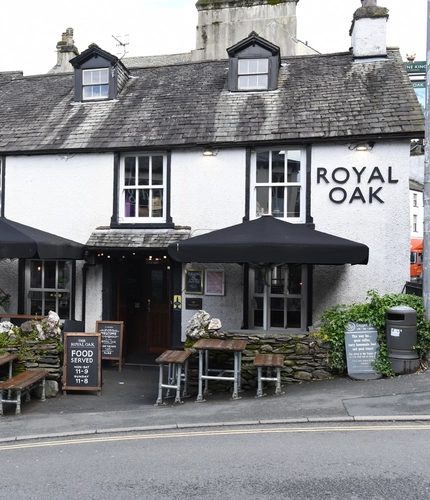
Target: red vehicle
(416,258)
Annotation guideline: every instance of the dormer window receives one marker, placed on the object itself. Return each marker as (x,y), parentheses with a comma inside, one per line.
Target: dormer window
(254,65)
(95,84)
(253,74)
(99,76)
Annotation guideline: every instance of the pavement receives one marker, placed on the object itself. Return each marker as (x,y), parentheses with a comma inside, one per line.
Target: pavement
(127,404)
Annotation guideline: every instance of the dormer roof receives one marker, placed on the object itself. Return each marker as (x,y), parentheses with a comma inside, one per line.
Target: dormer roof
(252,40)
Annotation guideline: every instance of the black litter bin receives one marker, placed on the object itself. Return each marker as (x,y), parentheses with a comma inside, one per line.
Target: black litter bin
(401,330)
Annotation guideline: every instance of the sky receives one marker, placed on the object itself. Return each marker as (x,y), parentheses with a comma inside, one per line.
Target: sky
(30,30)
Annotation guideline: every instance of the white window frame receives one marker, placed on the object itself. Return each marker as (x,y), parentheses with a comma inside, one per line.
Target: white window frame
(269,294)
(93,84)
(245,74)
(57,291)
(254,210)
(153,204)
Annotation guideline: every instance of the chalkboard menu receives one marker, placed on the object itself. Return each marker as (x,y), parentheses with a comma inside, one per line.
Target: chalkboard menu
(193,281)
(82,362)
(112,333)
(361,345)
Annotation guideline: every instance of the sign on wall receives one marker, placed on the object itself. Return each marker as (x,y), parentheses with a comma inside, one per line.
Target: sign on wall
(82,362)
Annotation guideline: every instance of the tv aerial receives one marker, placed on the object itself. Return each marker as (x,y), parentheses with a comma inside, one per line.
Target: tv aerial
(122,41)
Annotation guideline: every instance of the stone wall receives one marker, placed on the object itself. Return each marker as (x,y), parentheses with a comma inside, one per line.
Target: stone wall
(305,358)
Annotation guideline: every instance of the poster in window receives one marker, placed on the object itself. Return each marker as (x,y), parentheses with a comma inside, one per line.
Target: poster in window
(193,281)
(214,282)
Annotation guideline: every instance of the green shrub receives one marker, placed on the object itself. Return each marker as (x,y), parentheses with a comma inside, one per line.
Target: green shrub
(335,320)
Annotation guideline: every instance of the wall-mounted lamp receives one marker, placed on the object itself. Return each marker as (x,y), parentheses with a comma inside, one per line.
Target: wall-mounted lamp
(210,152)
(362,146)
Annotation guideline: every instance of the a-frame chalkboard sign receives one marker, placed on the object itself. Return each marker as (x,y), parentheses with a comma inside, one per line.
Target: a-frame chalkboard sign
(112,333)
(82,362)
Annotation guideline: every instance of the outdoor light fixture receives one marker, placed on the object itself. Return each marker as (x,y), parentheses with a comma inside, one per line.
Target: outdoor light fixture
(210,152)
(362,146)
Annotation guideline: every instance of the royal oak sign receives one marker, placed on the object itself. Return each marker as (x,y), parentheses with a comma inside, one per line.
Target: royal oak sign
(361,194)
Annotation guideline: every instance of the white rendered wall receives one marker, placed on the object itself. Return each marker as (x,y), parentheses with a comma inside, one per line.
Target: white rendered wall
(67,195)
(369,37)
(383,227)
(208,193)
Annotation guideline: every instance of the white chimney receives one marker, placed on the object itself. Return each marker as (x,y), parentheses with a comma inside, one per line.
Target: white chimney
(369,31)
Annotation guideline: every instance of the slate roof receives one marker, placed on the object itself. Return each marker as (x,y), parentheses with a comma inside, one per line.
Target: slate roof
(321,97)
(135,238)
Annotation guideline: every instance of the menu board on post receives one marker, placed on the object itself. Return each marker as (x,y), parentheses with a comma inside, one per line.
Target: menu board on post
(82,362)
(112,333)
(361,346)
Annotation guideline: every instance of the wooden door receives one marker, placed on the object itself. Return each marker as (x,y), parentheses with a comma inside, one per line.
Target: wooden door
(158,306)
(144,306)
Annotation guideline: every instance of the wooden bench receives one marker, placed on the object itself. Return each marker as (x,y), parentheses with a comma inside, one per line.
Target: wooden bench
(22,384)
(176,361)
(270,362)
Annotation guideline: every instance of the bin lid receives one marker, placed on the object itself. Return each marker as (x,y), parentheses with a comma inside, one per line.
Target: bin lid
(405,314)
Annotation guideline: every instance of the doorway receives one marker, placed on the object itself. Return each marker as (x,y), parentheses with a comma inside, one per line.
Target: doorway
(144,290)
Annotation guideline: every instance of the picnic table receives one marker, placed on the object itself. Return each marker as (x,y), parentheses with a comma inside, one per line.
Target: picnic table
(204,346)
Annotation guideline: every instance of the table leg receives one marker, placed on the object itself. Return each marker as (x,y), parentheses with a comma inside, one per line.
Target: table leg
(206,371)
(178,383)
(236,383)
(160,388)
(200,394)
(9,393)
(185,392)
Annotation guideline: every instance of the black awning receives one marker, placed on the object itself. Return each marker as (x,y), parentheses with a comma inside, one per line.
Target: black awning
(18,241)
(269,240)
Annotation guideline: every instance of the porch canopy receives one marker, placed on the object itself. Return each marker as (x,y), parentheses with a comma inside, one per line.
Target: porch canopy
(18,241)
(268,240)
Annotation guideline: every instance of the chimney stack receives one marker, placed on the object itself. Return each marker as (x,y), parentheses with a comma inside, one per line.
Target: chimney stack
(369,31)
(66,50)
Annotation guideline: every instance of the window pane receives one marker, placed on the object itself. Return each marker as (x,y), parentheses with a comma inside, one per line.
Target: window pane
(293,201)
(293,313)
(263,65)
(278,201)
(295,280)
(262,200)
(36,274)
(130,203)
(63,305)
(130,171)
(143,170)
(50,302)
(87,92)
(64,273)
(258,311)
(278,166)
(262,82)
(143,202)
(277,315)
(157,170)
(157,203)
(50,274)
(263,166)
(259,280)
(35,303)
(293,168)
